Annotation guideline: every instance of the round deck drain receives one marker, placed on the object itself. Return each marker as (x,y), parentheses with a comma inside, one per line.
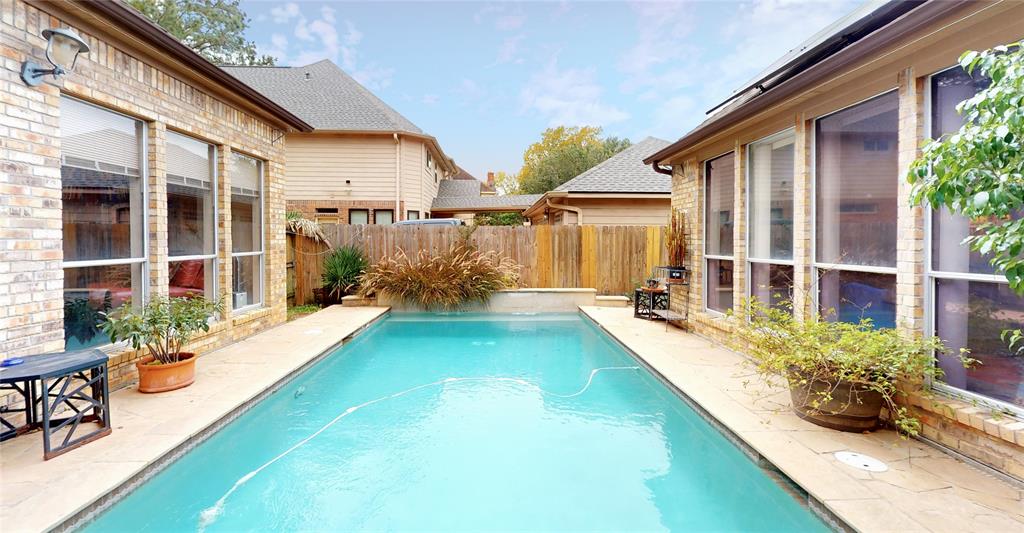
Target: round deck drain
(861,461)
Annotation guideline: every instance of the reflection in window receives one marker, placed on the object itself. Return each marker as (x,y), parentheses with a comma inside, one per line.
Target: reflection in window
(383,216)
(719,209)
(719,285)
(247,231)
(771,284)
(770,220)
(850,296)
(358,216)
(103,212)
(191,216)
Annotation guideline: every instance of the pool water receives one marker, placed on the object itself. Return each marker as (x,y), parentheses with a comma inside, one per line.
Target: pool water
(466,422)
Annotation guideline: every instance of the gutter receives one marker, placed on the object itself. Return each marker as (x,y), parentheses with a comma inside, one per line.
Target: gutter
(891,33)
(130,21)
(578,211)
(398,178)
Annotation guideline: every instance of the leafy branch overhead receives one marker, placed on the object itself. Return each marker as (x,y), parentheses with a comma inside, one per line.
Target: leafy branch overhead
(213,28)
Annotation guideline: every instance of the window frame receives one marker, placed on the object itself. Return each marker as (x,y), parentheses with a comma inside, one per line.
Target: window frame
(263,238)
(817,266)
(375,211)
(348,216)
(748,154)
(144,285)
(214,182)
(932,277)
(704,251)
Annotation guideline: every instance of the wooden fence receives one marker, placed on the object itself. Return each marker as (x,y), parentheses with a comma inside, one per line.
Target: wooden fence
(611,259)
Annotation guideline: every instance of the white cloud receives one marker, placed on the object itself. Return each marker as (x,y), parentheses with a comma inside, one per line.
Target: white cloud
(674,115)
(509,50)
(429,99)
(570,97)
(510,22)
(284,13)
(352,35)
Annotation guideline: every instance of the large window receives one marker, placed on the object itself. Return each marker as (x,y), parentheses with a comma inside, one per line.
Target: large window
(856,185)
(247,232)
(770,219)
(383,216)
(719,221)
(358,216)
(191,216)
(104,211)
(971,303)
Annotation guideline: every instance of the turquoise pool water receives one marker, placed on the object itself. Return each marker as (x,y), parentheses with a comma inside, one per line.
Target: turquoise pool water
(466,422)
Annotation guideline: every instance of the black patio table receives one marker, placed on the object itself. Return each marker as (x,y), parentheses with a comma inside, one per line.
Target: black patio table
(71,385)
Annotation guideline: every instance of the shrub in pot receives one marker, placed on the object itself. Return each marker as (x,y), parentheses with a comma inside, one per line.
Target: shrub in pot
(342,269)
(840,375)
(164,327)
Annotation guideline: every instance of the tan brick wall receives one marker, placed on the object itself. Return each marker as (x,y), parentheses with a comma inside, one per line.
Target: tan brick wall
(31,278)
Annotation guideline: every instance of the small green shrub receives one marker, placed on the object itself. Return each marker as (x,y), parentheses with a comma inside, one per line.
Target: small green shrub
(807,351)
(164,325)
(457,277)
(342,269)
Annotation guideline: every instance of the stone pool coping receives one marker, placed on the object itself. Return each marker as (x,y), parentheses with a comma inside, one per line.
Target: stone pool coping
(152,430)
(924,489)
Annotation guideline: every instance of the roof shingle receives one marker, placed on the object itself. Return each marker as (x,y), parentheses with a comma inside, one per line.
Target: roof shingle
(512,202)
(624,172)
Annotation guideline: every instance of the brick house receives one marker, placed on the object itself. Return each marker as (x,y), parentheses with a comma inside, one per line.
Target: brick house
(364,163)
(146,170)
(794,186)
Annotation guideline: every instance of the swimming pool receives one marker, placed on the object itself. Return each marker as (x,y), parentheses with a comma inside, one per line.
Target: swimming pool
(466,422)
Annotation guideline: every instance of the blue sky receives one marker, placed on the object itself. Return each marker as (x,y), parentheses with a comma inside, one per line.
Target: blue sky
(486,78)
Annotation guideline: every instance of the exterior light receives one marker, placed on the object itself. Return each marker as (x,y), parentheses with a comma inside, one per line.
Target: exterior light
(62,50)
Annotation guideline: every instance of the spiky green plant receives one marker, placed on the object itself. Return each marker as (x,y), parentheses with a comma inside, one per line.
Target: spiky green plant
(342,269)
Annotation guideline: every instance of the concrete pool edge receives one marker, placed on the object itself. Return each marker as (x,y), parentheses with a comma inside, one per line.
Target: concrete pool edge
(818,507)
(89,511)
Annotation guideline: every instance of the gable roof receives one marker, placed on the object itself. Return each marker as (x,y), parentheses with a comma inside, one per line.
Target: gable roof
(326,97)
(459,188)
(624,172)
(511,202)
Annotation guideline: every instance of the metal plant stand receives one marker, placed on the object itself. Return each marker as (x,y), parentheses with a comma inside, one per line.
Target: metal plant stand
(60,392)
(647,301)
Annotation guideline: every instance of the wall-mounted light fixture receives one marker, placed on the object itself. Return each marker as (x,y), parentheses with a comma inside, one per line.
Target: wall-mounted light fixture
(62,50)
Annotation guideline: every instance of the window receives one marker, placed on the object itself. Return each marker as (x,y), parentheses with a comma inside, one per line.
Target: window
(327,215)
(246,232)
(104,212)
(383,216)
(770,219)
(358,216)
(970,302)
(855,218)
(719,206)
(191,216)
(412,215)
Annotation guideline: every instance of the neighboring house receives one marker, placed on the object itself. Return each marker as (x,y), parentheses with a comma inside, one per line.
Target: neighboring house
(464,197)
(144,171)
(795,186)
(364,163)
(620,191)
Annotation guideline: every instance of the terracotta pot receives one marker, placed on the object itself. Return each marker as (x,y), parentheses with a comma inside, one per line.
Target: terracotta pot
(850,409)
(165,377)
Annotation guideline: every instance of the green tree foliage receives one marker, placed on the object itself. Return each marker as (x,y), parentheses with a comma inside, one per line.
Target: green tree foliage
(978,172)
(499,219)
(562,154)
(213,28)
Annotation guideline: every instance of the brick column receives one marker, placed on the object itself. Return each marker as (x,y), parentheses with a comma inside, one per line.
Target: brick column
(739,228)
(803,229)
(157,223)
(685,185)
(910,244)
(224,165)
(275,252)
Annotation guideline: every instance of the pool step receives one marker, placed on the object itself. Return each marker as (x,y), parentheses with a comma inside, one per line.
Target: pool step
(612,300)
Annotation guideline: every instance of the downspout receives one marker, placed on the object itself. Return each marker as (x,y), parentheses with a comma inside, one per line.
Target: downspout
(398,179)
(578,211)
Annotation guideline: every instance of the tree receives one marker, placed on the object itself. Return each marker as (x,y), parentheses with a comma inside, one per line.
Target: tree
(506,183)
(499,219)
(213,28)
(978,172)
(562,154)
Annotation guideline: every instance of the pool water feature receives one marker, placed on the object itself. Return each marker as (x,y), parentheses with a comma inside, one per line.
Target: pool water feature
(466,422)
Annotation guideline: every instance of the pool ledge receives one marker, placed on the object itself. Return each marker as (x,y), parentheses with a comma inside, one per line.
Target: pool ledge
(150,431)
(924,489)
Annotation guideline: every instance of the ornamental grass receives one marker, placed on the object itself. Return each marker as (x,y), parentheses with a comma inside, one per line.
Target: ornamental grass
(460,276)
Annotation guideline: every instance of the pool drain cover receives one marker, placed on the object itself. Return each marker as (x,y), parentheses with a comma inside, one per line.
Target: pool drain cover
(861,461)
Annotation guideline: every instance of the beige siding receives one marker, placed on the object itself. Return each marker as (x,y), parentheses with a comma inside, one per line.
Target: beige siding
(413,159)
(318,165)
(621,211)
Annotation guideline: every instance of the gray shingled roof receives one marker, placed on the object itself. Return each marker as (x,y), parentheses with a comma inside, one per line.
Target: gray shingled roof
(459,188)
(329,99)
(512,202)
(624,172)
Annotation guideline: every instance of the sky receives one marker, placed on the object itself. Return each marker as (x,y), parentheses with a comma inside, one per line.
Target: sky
(486,78)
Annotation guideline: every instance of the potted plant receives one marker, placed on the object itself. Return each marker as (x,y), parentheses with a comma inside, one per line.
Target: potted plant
(675,244)
(840,375)
(164,326)
(342,269)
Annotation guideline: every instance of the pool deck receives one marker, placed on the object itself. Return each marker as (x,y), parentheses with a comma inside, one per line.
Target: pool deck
(924,489)
(37,495)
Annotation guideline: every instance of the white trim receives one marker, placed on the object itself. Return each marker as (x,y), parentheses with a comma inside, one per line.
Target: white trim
(975,398)
(247,309)
(787,262)
(720,257)
(245,254)
(987,278)
(856,268)
(748,203)
(102,262)
(704,238)
(178,258)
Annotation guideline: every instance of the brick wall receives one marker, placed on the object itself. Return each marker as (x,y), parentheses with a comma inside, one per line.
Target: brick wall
(308,208)
(119,79)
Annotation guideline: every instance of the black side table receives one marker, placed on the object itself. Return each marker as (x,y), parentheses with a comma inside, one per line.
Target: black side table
(646,301)
(74,384)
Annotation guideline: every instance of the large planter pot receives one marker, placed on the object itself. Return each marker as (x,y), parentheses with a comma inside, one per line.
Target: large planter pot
(165,377)
(851,408)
